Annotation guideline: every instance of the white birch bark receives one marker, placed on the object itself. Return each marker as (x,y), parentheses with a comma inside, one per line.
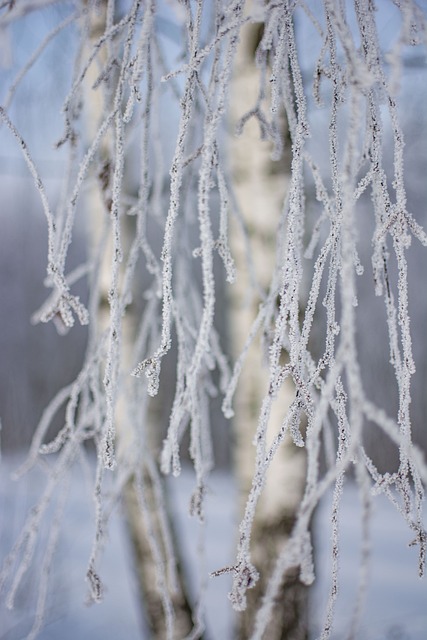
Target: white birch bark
(260,189)
(163,598)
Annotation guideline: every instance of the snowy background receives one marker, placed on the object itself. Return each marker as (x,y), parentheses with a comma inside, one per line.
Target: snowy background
(396,600)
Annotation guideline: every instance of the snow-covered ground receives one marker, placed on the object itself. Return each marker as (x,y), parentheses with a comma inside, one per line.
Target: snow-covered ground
(396,602)
(395,605)
(68,617)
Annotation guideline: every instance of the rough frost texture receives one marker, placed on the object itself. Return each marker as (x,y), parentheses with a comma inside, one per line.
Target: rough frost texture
(185,191)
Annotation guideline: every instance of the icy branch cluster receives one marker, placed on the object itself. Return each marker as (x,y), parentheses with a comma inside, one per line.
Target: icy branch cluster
(124,66)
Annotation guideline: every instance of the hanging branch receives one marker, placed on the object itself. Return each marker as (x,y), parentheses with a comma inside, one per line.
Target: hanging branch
(187,195)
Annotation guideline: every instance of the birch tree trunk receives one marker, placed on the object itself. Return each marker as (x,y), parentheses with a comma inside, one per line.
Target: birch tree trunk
(167,615)
(260,188)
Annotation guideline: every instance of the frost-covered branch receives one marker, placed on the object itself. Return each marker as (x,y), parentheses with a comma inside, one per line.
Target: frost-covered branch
(161,252)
